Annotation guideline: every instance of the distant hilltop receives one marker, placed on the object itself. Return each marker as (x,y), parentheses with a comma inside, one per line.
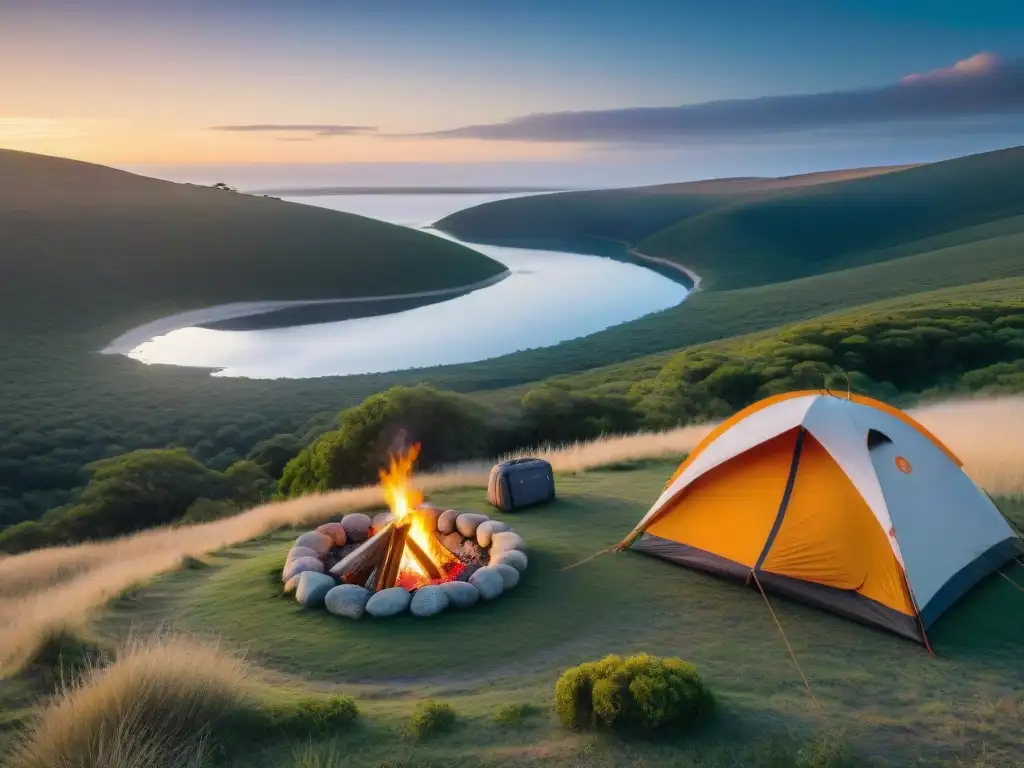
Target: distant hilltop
(314,191)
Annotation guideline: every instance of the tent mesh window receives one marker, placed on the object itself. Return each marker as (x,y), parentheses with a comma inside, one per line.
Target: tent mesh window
(876,439)
(520,483)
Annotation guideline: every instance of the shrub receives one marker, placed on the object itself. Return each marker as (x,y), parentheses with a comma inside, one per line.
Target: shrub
(159,705)
(329,712)
(431,718)
(639,693)
(513,714)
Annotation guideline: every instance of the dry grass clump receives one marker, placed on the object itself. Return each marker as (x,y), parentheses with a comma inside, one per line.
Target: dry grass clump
(157,706)
(987,435)
(107,569)
(579,457)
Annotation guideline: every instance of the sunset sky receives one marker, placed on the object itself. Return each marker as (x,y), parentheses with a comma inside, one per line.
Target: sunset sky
(149,83)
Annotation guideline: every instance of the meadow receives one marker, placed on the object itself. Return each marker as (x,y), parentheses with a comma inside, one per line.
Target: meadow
(883,700)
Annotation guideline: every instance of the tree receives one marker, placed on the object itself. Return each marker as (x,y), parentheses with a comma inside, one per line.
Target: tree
(448,426)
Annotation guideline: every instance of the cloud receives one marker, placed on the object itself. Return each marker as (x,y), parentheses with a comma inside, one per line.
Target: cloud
(979,64)
(981,86)
(311,131)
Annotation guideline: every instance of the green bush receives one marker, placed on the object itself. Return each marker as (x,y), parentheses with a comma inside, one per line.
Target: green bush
(314,713)
(431,718)
(640,693)
(513,714)
(332,711)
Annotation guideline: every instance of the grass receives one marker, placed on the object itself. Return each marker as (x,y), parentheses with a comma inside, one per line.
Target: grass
(893,701)
(45,591)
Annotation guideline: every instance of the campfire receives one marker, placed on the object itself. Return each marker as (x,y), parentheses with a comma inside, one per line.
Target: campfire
(406,551)
(414,557)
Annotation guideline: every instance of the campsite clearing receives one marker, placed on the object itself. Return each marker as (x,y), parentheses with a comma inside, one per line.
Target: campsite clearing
(892,701)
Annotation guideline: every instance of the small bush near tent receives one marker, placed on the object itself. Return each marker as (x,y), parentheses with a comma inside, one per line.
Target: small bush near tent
(638,694)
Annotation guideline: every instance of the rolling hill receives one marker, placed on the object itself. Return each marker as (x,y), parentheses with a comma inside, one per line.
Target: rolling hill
(828,227)
(739,233)
(86,248)
(629,214)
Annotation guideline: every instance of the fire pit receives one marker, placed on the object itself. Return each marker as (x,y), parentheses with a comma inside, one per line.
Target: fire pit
(415,557)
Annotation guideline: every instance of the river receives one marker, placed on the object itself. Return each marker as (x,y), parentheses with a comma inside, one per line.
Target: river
(549,297)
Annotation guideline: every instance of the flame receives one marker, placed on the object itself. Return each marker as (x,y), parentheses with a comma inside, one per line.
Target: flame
(403,499)
(395,481)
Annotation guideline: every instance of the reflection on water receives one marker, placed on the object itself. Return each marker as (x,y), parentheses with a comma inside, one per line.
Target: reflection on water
(548,298)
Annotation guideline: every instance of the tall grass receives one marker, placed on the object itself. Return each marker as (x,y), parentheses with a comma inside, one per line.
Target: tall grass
(46,590)
(158,706)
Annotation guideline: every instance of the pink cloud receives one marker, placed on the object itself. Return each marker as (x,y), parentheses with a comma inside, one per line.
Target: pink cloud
(979,64)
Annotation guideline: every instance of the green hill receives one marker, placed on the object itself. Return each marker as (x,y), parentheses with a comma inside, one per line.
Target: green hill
(628,215)
(84,247)
(738,233)
(828,227)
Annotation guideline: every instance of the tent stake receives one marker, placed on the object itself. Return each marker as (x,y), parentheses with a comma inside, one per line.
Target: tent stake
(789,647)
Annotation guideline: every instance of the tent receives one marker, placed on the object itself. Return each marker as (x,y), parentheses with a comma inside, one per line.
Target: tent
(841,502)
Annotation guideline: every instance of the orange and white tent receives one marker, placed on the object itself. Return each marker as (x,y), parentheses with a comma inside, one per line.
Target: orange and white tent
(844,503)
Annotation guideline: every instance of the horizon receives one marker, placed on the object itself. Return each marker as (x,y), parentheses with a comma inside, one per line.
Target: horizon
(574,95)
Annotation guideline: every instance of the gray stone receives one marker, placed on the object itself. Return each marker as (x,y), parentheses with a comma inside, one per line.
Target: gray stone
(291,584)
(357,526)
(488,582)
(347,600)
(315,541)
(313,588)
(460,594)
(487,529)
(428,600)
(446,521)
(468,522)
(296,552)
(453,541)
(336,531)
(388,602)
(300,565)
(506,540)
(509,575)
(512,557)
(381,519)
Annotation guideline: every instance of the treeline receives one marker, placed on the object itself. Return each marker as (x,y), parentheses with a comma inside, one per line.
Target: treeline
(897,356)
(143,489)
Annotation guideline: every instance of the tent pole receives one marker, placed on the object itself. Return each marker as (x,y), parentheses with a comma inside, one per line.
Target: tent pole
(917,611)
(785,639)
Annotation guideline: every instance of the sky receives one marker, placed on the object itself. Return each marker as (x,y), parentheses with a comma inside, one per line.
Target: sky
(538,88)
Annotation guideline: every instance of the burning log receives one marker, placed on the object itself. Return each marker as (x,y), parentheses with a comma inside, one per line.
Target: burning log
(430,568)
(388,573)
(355,568)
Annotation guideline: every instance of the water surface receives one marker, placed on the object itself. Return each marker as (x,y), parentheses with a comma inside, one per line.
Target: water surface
(548,298)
